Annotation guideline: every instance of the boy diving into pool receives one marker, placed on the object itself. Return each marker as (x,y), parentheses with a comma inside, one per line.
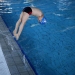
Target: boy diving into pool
(27,11)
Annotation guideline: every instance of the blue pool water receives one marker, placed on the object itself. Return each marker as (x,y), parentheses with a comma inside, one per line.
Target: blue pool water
(49,48)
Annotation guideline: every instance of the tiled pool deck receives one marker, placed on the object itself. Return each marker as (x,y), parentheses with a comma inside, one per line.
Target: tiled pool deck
(12,54)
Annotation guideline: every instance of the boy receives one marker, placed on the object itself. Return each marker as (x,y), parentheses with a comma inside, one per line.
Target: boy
(27,11)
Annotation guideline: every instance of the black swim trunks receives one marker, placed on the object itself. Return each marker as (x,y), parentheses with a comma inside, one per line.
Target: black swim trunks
(27,10)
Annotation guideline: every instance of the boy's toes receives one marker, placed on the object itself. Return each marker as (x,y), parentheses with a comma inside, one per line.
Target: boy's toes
(17,36)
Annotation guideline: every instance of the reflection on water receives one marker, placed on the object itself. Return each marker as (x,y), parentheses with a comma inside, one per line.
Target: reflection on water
(63,4)
(8,6)
(28,1)
(4,7)
(68,28)
(1,0)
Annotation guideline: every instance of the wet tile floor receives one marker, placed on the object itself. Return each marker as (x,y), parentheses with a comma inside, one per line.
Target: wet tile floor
(12,53)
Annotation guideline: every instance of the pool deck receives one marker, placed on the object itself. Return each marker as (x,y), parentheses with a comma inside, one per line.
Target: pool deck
(12,57)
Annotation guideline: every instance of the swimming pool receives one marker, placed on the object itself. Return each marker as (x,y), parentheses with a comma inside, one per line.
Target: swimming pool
(50,48)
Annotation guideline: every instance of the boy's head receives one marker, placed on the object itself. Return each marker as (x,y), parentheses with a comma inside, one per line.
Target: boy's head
(42,20)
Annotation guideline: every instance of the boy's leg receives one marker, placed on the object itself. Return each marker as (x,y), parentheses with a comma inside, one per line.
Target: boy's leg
(24,19)
(18,24)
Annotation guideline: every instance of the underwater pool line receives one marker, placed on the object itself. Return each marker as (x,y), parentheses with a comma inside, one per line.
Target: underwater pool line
(21,50)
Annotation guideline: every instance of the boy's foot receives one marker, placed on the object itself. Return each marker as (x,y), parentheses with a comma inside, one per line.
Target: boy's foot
(16,36)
